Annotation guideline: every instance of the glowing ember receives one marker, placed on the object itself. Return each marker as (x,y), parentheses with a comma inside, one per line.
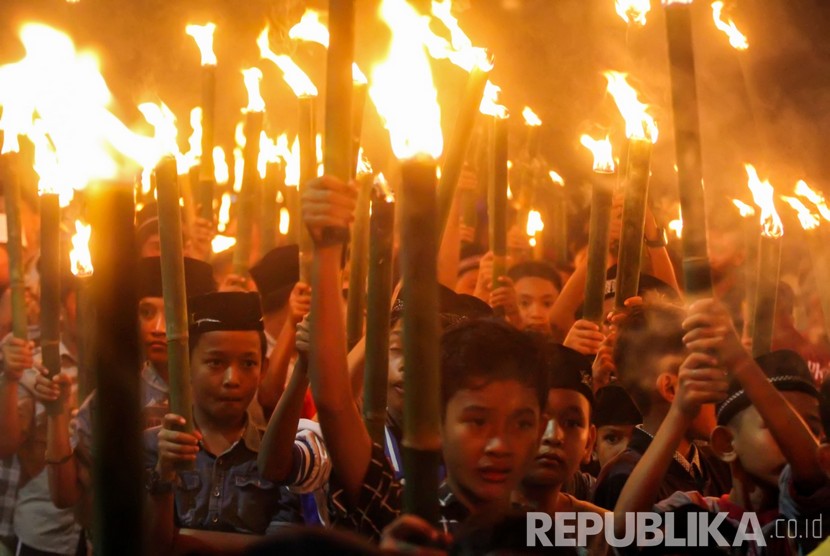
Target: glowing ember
(638,124)
(221,243)
(530,117)
(736,38)
(556,178)
(224,212)
(808,220)
(79,259)
(285,220)
(293,75)
(764,196)
(203,35)
(221,172)
(252,77)
(804,190)
(743,208)
(534,223)
(603,155)
(490,102)
(633,11)
(402,87)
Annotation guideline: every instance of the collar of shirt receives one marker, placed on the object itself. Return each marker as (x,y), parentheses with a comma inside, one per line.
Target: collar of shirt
(251,438)
(692,465)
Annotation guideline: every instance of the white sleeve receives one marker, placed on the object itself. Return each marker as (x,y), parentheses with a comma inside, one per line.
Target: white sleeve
(313,468)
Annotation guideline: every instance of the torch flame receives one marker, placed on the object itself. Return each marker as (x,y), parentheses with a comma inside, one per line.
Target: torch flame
(490,101)
(460,50)
(203,35)
(809,221)
(221,243)
(292,165)
(736,38)
(285,220)
(676,226)
(364,167)
(224,212)
(292,74)
(633,11)
(764,196)
(191,157)
(310,29)
(638,124)
(530,117)
(603,155)
(252,77)
(221,172)
(268,153)
(402,87)
(743,208)
(556,178)
(79,259)
(534,223)
(804,190)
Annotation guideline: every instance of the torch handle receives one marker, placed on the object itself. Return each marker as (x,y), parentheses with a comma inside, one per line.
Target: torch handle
(50,284)
(11,193)
(598,242)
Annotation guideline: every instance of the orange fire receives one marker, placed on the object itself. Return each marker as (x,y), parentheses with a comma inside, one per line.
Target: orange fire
(764,196)
(224,212)
(292,74)
(80,260)
(221,243)
(736,38)
(292,165)
(268,153)
(603,155)
(531,119)
(191,158)
(402,88)
(633,11)
(638,124)
(534,224)
(203,35)
(808,220)
(221,172)
(252,77)
(490,101)
(676,226)
(460,50)
(556,178)
(285,220)
(745,210)
(804,190)
(311,29)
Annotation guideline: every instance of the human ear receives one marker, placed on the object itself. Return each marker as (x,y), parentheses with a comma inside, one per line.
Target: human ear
(589,446)
(666,384)
(722,443)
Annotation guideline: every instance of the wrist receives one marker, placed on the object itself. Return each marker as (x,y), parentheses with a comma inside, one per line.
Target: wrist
(681,416)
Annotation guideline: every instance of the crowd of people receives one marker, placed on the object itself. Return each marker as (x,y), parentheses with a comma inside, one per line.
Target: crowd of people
(659,408)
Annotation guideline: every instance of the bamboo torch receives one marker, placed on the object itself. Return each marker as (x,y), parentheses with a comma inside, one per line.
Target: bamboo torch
(642,134)
(769,263)
(600,227)
(817,243)
(381,233)
(173,289)
(750,233)
(358,260)
(528,166)
(81,265)
(696,273)
(9,160)
(254,115)
(404,94)
(203,35)
(272,174)
(559,218)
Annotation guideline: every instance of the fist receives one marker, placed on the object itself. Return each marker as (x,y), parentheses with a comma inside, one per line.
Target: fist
(18,356)
(300,301)
(700,381)
(328,202)
(584,337)
(175,447)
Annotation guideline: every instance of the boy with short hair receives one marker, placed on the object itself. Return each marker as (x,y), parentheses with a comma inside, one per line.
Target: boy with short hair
(225,491)
(537,285)
(768,425)
(615,416)
(648,352)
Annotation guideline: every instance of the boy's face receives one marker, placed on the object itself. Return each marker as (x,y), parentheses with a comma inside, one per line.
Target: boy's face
(611,440)
(394,385)
(490,435)
(225,372)
(567,441)
(153,329)
(754,445)
(535,297)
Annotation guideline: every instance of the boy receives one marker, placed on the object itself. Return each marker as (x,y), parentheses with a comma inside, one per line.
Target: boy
(224,491)
(768,425)
(648,352)
(493,389)
(615,417)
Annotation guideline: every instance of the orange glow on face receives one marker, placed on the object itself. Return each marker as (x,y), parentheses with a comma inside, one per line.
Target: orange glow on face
(808,220)
(203,35)
(638,124)
(764,196)
(292,74)
(603,155)
(736,38)
(402,88)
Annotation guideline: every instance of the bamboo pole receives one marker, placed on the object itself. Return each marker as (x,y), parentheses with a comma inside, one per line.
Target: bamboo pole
(274,176)
(497,201)
(247,196)
(117,430)
(769,264)
(85,326)
(174,291)
(308,171)
(422,405)
(381,233)
(50,288)
(358,263)
(598,244)
(11,194)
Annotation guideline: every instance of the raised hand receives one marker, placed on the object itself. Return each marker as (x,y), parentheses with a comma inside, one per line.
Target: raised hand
(17,357)
(700,381)
(328,203)
(300,301)
(584,337)
(709,328)
(175,447)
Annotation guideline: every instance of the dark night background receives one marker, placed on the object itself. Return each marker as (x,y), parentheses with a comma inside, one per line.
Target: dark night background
(768,105)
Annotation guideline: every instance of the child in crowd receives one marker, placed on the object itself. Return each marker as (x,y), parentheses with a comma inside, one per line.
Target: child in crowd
(615,416)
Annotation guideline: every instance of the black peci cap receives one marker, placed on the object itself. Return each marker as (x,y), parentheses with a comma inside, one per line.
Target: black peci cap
(613,406)
(569,370)
(198,277)
(278,270)
(225,311)
(453,307)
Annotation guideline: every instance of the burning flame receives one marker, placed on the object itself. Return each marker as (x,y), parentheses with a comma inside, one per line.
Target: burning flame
(676,226)
(238,169)
(736,38)
(191,158)
(221,172)
(79,259)
(319,154)
(460,50)
(285,220)
(764,196)
(638,124)
(534,223)
(809,221)
(203,35)
(804,190)
(603,155)
(633,11)
(530,117)
(743,208)
(311,29)
(293,75)
(556,178)
(224,212)
(402,87)
(252,77)
(364,167)
(47,167)
(221,243)
(490,101)
(292,165)
(268,153)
